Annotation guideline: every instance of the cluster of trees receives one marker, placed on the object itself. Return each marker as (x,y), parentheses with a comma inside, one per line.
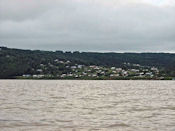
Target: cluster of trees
(16,62)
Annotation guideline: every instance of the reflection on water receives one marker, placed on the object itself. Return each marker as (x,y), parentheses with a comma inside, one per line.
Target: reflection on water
(31,105)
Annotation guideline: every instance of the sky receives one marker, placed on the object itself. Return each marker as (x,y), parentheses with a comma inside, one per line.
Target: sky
(88,25)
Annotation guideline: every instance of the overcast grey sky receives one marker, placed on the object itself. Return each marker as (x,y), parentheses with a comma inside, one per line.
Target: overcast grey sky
(89,25)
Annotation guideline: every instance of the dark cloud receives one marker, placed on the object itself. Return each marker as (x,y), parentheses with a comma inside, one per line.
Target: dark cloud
(87,25)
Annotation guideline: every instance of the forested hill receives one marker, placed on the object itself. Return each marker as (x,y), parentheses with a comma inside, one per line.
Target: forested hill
(16,62)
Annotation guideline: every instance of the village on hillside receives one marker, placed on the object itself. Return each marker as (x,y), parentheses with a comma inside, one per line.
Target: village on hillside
(60,69)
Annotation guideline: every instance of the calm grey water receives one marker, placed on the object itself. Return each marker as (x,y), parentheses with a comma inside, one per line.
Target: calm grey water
(31,105)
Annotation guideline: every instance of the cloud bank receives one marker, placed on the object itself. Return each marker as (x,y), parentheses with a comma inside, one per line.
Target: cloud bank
(88,25)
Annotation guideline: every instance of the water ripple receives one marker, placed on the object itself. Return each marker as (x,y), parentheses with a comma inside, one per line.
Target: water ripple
(27,105)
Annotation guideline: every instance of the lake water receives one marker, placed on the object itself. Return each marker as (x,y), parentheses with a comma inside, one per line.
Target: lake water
(65,105)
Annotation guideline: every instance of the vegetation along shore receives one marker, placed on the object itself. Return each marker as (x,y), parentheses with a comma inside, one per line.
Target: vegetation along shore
(36,64)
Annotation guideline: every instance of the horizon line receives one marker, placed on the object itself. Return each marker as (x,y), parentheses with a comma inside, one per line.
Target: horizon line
(90,51)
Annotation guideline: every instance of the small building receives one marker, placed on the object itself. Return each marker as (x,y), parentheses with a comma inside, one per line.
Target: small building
(118,69)
(94,75)
(70,75)
(84,73)
(67,62)
(73,67)
(155,69)
(134,70)
(26,75)
(39,70)
(102,72)
(114,72)
(63,75)
(80,66)
(76,76)
(113,68)
(38,76)
(111,75)
(62,62)
(125,73)
(137,65)
(96,68)
(56,60)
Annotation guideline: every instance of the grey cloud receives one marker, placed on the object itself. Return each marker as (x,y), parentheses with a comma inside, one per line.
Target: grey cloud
(87,26)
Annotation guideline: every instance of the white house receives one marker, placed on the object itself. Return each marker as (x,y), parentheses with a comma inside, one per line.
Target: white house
(112,68)
(73,67)
(80,66)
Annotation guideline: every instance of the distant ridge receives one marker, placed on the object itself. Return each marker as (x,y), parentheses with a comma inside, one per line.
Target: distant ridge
(15,62)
